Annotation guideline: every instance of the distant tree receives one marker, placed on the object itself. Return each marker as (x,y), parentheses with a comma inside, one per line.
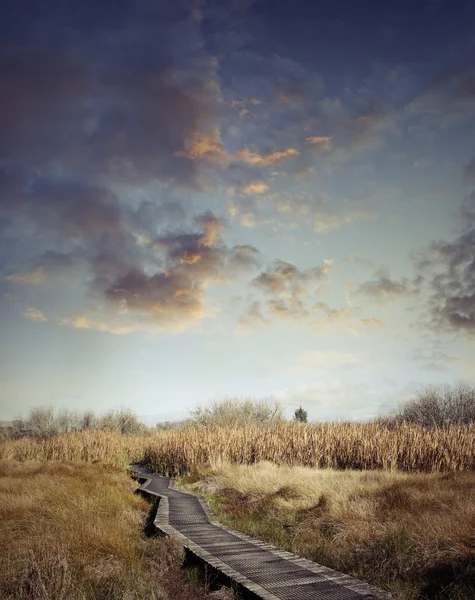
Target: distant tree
(439,406)
(300,415)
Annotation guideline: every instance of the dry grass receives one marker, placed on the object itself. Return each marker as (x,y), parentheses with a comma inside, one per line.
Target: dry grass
(406,447)
(109,449)
(403,446)
(413,534)
(75,532)
(408,525)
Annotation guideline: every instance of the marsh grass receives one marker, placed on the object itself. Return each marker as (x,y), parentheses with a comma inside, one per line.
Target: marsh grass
(72,532)
(341,445)
(413,534)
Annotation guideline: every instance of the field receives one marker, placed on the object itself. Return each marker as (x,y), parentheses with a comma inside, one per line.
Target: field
(74,532)
(406,447)
(412,534)
(391,503)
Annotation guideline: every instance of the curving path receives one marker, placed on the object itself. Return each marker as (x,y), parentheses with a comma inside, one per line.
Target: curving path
(270,573)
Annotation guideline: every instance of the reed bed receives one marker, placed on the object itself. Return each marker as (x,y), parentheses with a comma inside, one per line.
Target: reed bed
(340,445)
(112,450)
(405,447)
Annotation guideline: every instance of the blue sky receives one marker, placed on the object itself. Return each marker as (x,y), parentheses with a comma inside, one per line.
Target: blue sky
(202,199)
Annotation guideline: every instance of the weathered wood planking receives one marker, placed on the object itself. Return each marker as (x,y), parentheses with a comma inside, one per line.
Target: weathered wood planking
(270,573)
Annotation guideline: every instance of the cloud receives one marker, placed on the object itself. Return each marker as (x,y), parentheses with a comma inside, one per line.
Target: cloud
(255,187)
(264,160)
(252,317)
(448,269)
(330,318)
(33,277)
(287,291)
(448,99)
(248,219)
(433,359)
(81,321)
(33,314)
(285,278)
(206,146)
(175,296)
(370,322)
(106,105)
(384,289)
(469,171)
(321,142)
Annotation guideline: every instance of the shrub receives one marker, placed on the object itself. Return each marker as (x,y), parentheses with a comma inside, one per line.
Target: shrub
(440,406)
(46,423)
(237,411)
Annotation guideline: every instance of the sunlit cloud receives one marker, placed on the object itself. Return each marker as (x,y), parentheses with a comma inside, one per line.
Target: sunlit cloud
(205,145)
(319,141)
(255,187)
(264,160)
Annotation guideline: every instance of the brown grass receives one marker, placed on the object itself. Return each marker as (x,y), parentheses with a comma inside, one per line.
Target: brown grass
(75,532)
(407,525)
(109,449)
(406,447)
(413,534)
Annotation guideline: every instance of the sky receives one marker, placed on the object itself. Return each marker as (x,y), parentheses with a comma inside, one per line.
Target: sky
(203,199)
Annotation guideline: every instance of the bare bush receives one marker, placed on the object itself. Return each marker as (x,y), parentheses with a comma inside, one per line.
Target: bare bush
(47,423)
(440,406)
(237,411)
(124,421)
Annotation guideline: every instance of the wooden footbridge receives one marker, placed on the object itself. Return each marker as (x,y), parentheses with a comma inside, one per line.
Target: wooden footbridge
(270,573)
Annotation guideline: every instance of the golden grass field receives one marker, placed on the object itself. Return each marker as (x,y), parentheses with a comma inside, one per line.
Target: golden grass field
(74,532)
(405,447)
(412,534)
(393,504)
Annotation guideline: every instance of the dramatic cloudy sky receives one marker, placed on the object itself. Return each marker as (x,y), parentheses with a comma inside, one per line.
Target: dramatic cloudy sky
(208,198)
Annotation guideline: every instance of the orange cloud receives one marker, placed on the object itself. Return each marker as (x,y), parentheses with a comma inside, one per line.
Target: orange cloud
(255,187)
(264,160)
(320,141)
(206,146)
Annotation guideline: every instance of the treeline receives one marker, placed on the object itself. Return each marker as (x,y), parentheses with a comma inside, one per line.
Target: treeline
(433,406)
(48,422)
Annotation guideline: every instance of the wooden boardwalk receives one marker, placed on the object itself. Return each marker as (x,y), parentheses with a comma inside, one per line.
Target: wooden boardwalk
(268,572)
